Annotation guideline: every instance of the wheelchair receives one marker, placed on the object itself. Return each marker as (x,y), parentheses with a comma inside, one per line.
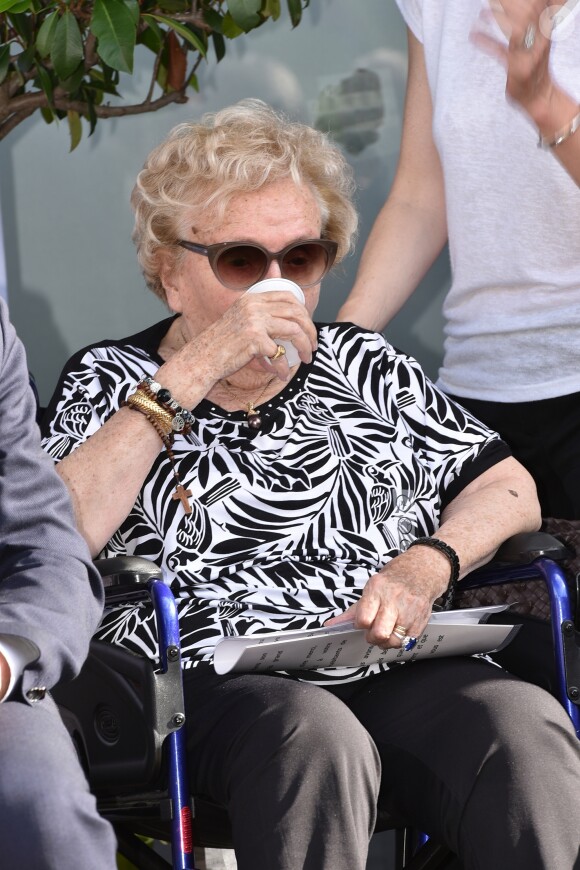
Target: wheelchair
(126,716)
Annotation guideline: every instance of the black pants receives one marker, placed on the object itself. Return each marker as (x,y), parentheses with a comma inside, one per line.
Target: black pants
(545,437)
(485,763)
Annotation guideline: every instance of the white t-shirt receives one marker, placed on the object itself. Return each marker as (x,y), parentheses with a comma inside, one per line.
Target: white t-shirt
(513,311)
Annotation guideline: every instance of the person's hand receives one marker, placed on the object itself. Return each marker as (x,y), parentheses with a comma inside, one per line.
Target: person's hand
(248,330)
(4,677)
(527,25)
(401,594)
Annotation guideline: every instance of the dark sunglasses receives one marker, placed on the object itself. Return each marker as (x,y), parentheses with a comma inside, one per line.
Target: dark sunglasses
(238,265)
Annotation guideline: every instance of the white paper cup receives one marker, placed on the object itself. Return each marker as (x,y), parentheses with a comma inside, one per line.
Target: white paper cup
(281,284)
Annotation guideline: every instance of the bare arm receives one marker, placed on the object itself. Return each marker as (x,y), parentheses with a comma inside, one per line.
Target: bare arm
(411,228)
(499,503)
(104,475)
(529,81)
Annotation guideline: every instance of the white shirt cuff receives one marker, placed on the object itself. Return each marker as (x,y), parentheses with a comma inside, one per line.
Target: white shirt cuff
(18,654)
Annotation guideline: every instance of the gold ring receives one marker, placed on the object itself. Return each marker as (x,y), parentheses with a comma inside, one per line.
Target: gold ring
(399,631)
(280,351)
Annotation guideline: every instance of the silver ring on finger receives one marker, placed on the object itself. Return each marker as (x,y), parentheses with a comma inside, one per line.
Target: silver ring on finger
(529,39)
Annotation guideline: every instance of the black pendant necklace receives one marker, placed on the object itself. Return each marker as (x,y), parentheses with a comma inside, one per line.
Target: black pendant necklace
(253,416)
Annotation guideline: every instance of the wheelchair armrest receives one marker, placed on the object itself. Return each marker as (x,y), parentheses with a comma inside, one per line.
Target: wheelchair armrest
(514,560)
(126,578)
(523,548)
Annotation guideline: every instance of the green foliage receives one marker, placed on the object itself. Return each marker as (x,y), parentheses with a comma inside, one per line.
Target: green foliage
(64,57)
(114,23)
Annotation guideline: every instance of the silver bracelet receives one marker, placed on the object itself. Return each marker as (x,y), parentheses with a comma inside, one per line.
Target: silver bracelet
(560,137)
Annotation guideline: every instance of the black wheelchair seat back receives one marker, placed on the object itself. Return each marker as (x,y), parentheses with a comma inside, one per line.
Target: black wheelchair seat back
(108,710)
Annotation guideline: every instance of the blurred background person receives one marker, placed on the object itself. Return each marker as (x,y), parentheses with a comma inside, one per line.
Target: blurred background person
(487,86)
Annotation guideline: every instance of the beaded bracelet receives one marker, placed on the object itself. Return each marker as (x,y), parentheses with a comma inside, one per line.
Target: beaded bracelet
(161,421)
(182,418)
(438,544)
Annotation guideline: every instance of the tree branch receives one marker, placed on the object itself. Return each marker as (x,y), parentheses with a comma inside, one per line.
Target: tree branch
(15,115)
(194,17)
(91,56)
(118,111)
(22,92)
(191,18)
(13,121)
(149,96)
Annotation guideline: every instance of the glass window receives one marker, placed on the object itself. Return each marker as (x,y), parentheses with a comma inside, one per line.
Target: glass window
(71,268)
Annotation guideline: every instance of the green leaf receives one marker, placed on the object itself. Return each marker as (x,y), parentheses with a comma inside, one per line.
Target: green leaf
(219,45)
(25,59)
(162,76)
(22,24)
(152,37)
(295,10)
(4,61)
(213,20)
(71,84)
(230,28)
(272,9)
(174,6)
(47,114)
(45,81)
(182,30)
(89,97)
(245,13)
(133,7)
(114,26)
(193,82)
(111,76)
(75,128)
(67,48)
(15,5)
(45,35)
(98,83)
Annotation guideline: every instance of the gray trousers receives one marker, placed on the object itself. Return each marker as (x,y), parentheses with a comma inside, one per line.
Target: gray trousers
(48,818)
(480,760)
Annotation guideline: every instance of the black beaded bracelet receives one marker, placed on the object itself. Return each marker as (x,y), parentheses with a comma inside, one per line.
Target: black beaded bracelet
(182,418)
(438,544)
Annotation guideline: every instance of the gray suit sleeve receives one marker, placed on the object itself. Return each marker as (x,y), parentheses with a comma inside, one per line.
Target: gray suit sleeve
(50,593)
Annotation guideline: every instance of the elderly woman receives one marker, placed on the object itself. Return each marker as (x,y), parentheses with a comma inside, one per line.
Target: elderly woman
(279,496)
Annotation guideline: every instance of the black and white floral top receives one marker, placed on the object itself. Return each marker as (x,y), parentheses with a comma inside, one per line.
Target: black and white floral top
(356,457)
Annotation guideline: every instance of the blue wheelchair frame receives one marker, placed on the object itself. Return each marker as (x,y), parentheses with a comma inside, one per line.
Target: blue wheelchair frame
(176,759)
(414,852)
(565,637)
